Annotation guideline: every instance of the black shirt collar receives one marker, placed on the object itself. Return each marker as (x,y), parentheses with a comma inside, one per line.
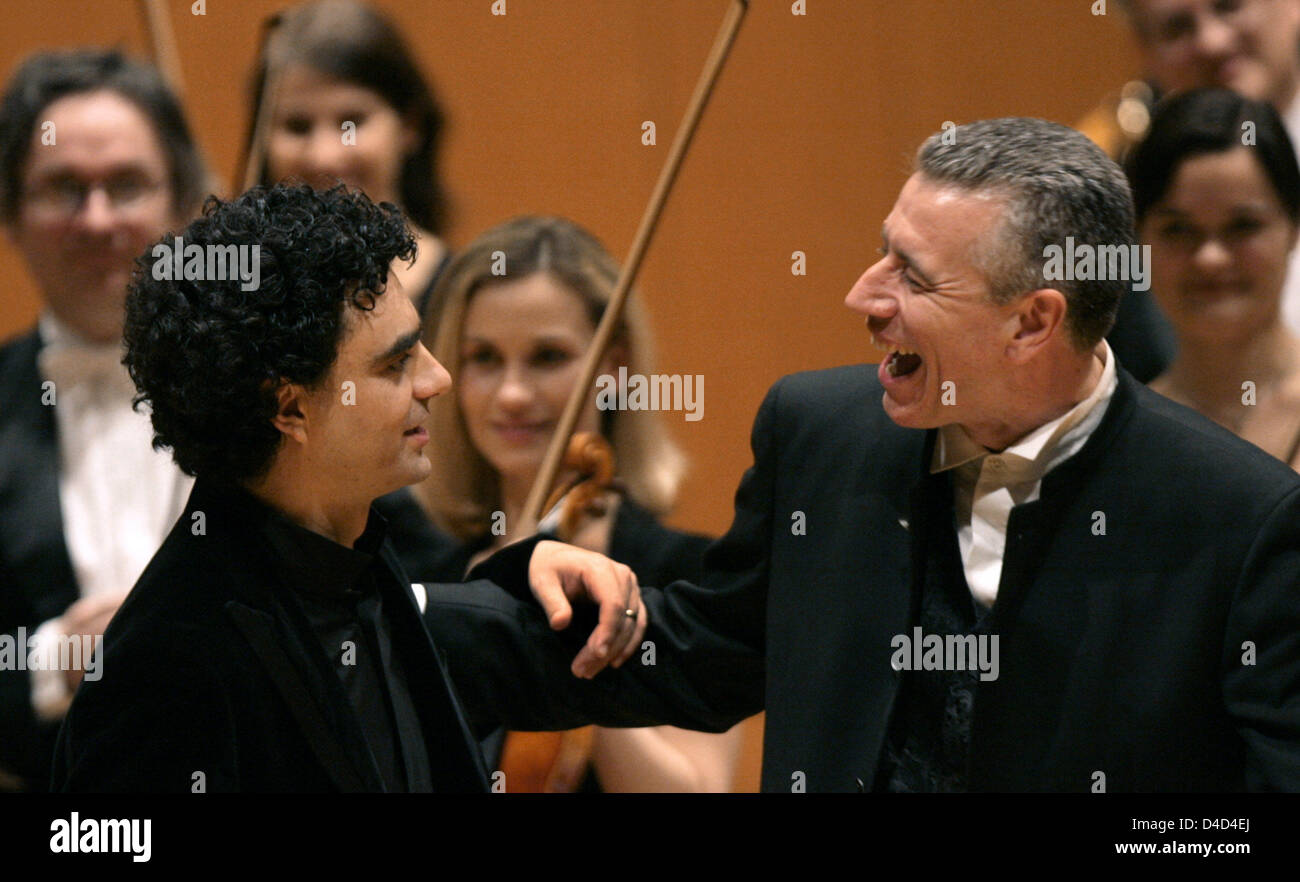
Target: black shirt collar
(308,561)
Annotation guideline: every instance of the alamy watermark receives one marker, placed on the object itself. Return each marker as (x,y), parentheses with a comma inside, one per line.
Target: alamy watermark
(1087,263)
(78,835)
(64,652)
(654,392)
(210,263)
(946,652)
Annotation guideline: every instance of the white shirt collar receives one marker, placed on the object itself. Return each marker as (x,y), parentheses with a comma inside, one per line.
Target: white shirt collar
(1044,447)
(73,362)
(55,332)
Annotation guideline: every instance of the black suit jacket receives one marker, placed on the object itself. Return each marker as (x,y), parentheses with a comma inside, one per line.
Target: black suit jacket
(1120,654)
(37,582)
(211,667)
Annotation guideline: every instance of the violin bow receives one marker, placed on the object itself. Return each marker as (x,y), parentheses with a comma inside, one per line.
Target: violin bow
(649,220)
(255,156)
(162,40)
(167,58)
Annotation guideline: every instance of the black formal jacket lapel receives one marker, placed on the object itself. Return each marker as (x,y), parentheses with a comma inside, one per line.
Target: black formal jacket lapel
(37,581)
(1030,529)
(285,646)
(289,652)
(455,761)
(839,563)
(33,554)
(341,750)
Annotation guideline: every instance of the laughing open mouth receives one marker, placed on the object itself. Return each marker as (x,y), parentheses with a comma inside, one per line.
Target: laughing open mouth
(899,361)
(901,364)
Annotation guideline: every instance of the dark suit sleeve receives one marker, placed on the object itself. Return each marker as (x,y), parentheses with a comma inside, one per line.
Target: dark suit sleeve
(151,727)
(1262,693)
(25,741)
(36,577)
(701,665)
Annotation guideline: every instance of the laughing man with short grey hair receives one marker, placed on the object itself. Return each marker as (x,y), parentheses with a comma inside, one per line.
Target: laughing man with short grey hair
(998,475)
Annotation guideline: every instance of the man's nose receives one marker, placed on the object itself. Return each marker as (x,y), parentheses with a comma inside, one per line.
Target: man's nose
(96,213)
(431,377)
(1214,37)
(870,296)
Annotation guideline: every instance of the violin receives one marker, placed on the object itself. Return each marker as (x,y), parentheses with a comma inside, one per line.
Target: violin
(557,762)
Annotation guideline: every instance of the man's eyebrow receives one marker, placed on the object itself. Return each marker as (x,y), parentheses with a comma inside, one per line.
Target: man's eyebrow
(400,345)
(905,258)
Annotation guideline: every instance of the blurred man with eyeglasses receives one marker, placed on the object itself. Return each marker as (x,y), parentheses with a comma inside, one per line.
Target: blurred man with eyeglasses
(96,162)
(1249,46)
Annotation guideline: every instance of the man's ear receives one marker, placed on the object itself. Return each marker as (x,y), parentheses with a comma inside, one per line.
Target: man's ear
(290,417)
(1040,316)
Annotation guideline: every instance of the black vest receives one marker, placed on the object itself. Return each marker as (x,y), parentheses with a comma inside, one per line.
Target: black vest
(927,747)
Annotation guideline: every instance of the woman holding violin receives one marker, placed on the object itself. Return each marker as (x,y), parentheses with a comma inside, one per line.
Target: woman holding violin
(519,308)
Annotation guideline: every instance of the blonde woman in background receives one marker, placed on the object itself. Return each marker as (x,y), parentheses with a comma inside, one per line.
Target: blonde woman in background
(513,341)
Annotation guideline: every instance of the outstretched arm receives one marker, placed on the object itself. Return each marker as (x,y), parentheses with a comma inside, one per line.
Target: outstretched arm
(700,664)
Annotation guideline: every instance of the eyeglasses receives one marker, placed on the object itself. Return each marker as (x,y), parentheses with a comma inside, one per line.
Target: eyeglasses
(64,197)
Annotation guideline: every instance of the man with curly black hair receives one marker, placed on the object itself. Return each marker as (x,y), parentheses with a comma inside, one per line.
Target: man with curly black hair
(273,644)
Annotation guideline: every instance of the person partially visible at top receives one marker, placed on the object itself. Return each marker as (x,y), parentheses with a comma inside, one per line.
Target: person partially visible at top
(346,102)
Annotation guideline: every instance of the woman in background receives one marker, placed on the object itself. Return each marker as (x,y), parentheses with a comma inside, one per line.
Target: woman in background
(347,102)
(1217,191)
(519,308)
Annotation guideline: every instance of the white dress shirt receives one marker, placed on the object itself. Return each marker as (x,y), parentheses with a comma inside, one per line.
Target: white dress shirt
(986,486)
(118,496)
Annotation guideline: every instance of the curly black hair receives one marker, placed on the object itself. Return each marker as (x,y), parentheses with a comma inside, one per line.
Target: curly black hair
(208,357)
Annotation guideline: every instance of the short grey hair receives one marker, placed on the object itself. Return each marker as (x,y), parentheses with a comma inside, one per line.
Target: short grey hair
(1056,183)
